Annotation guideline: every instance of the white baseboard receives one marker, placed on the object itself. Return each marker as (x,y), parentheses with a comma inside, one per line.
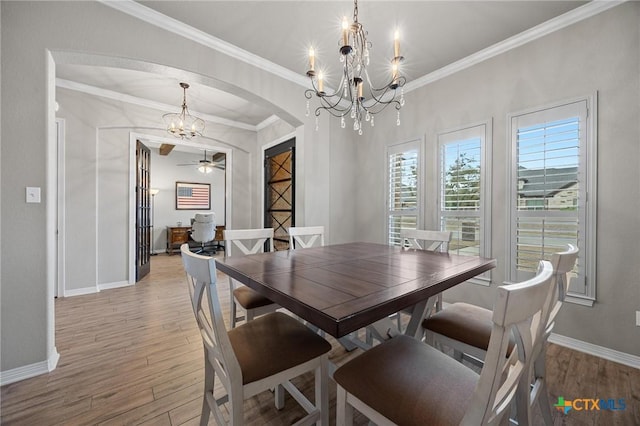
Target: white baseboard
(97,289)
(31,370)
(595,350)
(80,291)
(109,286)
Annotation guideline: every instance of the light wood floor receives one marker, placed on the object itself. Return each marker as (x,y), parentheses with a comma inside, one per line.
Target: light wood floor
(134,356)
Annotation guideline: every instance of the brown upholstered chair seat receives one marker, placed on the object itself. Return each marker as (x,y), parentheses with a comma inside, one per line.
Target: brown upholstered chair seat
(249,298)
(435,388)
(278,338)
(465,323)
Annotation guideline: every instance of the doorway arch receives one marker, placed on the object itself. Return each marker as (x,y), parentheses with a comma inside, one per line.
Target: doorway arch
(55,57)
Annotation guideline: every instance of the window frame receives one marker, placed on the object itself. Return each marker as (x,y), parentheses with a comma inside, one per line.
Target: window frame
(417,145)
(483,131)
(587,200)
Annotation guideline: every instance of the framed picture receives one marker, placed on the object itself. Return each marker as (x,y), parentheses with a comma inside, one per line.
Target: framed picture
(193,196)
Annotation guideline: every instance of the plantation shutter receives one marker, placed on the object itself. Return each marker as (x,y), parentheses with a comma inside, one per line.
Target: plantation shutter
(460,197)
(403,168)
(548,188)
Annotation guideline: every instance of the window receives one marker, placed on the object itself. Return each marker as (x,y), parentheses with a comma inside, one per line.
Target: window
(552,171)
(464,198)
(403,173)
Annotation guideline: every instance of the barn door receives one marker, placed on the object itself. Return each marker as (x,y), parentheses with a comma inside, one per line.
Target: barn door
(279,178)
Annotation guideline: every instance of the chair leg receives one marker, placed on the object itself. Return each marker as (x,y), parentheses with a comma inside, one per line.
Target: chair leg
(545,405)
(206,412)
(279,397)
(322,392)
(236,411)
(439,302)
(233,312)
(523,398)
(209,377)
(344,412)
(539,370)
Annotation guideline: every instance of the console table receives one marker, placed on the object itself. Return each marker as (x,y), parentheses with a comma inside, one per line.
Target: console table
(176,236)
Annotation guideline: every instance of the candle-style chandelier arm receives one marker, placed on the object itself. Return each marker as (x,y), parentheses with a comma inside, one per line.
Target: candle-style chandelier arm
(379,94)
(337,103)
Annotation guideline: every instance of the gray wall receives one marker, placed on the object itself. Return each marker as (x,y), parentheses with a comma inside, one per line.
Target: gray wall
(598,54)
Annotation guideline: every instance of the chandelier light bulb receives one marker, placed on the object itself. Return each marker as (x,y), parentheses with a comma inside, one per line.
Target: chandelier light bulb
(345,31)
(396,44)
(312,59)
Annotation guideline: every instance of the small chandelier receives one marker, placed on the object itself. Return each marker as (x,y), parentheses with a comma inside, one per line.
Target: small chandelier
(184,125)
(351,97)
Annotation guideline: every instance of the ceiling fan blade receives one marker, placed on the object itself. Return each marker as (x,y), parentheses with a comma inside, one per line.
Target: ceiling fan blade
(219,157)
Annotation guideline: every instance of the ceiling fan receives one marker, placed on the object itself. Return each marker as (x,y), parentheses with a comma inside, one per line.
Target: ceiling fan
(206,165)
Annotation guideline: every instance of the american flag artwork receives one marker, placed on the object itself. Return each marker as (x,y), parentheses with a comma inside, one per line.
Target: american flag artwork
(193,196)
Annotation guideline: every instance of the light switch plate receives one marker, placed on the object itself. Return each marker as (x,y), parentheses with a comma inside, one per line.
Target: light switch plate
(638,318)
(33,194)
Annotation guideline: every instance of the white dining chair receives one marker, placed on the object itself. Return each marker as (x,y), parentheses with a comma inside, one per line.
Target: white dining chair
(466,328)
(403,381)
(266,353)
(247,241)
(306,236)
(419,239)
(301,237)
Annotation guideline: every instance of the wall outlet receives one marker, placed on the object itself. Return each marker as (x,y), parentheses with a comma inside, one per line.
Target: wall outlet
(638,318)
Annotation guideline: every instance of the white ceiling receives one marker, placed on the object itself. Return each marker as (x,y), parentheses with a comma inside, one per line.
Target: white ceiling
(434,35)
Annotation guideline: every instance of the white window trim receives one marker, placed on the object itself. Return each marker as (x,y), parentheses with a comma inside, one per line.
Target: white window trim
(416,144)
(590,209)
(485,185)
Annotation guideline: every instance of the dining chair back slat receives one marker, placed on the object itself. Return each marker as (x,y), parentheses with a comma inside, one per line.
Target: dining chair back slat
(423,239)
(306,236)
(248,241)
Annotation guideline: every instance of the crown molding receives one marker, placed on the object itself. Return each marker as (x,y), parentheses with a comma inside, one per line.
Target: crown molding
(122,97)
(588,10)
(152,17)
(167,23)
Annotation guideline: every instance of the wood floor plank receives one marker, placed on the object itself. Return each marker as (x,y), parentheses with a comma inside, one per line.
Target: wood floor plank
(612,386)
(634,380)
(133,355)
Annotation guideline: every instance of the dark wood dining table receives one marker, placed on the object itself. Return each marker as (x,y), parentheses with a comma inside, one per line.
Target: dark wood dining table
(344,287)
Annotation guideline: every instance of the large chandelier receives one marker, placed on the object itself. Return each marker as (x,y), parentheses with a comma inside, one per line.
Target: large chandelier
(356,96)
(184,125)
